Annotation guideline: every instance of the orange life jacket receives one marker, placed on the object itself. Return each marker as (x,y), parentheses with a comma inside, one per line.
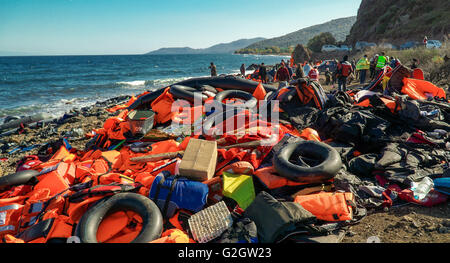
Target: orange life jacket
(329,207)
(260,93)
(10,212)
(119,227)
(54,181)
(241,167)
(215,187)
(418,74)
(126,105)
(310,135)
(307,93)
(420,89)
(10,239)
(391,104)
(173,236)
(188,115)
(162,106)
(38,205)
(271,180)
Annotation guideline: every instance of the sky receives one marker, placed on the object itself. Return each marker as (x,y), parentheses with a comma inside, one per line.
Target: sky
(89,27)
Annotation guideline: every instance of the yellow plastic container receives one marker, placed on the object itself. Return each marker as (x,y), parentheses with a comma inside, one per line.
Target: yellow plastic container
(239,188)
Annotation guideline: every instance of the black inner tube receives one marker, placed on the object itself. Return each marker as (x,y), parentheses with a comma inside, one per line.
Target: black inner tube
(187,93)
(251,102)
(146,99)
(19,178)
(307,162)
(152,225)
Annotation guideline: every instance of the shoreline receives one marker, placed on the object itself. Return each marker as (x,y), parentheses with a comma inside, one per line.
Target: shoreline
(85,90)
(86,118)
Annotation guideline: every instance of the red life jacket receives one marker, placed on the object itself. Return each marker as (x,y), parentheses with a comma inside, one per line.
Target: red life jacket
(313,74)
(345,69)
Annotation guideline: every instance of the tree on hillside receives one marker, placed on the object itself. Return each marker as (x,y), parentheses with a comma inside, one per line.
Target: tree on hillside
(301,54)
(316,43)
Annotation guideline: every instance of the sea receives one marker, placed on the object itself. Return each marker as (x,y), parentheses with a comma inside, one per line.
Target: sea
(57,84)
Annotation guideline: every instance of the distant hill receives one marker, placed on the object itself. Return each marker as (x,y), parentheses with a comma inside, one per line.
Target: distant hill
(223,48)
(338,27)
(400,21)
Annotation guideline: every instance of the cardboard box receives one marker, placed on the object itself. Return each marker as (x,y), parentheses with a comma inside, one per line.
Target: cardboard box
(199,160)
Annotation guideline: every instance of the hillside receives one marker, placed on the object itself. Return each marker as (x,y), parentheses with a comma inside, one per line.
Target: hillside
(399,21)
(223,48)
(338,27)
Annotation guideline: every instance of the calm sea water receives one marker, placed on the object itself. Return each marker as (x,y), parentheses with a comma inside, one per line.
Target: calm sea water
(54,85)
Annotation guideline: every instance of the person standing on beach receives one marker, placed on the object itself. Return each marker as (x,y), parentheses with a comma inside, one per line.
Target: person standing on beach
(344,69)
(362,67)
(372,66)
(381,62)
(328,76)
(283,73)
(213,70)
(263,73)
(243,70)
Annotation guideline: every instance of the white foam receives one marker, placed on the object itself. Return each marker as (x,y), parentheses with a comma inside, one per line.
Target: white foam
(132,83)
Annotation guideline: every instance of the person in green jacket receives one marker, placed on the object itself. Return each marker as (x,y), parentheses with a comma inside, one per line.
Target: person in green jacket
(380,63)
(362,67)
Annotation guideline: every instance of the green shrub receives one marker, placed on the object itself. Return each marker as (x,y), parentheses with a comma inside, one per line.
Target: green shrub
(317,42)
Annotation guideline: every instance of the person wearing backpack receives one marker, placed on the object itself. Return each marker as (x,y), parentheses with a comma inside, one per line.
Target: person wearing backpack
(344,69)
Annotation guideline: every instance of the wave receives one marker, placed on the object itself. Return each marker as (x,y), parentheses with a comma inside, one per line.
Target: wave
(132,83)
(156,83)
(58,108)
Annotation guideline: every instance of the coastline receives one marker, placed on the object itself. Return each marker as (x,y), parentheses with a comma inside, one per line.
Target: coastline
(55,85)
(86,119)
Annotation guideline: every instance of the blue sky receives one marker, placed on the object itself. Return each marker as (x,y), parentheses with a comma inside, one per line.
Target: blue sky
(62,27)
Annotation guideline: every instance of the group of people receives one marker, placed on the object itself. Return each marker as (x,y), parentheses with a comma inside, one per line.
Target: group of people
(344,73)
(360,69)
(281,72)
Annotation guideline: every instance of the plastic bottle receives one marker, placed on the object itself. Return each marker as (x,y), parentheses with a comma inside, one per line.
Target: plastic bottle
(433,113)
(429,114)
(422,188)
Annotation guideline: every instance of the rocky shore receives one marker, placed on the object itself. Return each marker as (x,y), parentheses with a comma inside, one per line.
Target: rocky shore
(73,126)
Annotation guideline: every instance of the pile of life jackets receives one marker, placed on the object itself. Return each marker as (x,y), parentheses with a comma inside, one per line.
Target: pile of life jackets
(69,184)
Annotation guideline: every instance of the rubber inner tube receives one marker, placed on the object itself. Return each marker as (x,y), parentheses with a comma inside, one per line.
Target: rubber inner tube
(250,103)
(146,99)
(187,93)
(152,221)
(307,162)
(19,178)
(208,88)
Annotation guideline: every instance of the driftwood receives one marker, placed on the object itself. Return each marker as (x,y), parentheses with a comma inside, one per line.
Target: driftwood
(253,144)
(156,157)
(171,155)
